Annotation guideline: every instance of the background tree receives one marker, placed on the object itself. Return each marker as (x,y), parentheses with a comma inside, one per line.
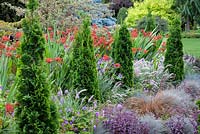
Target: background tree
(84,63)
(35,113)
(174,55)
(123,55)
(189,10)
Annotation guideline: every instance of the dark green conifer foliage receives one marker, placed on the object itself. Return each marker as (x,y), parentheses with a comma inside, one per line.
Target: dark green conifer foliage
(84,63)
(122,54)
(36,113)
(198,120)
(121,16)
(150,22)
(174,54)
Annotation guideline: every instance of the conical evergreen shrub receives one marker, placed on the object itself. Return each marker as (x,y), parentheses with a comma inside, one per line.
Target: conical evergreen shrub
(174,55)
(84,63)
(122,54)
(36,113)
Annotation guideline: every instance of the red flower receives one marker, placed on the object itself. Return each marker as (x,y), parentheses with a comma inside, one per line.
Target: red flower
(94,26)
(58,59)
(49,60)
(139,49)
(50,28)
(134,33)
(106,58)
(8,54)
(63,40)
(163,44)
(117,65)
(9,108)
(5,38)
(134,50)
(146,51)
(18,35)
(71,38)
(68,31)
(2,46)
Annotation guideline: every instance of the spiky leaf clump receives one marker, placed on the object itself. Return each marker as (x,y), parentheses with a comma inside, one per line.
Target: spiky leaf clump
(84,63)
(35,113)
(123,55)
(174,55)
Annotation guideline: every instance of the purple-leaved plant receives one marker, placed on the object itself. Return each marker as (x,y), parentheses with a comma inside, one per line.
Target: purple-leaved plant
(182,125)
(120,121)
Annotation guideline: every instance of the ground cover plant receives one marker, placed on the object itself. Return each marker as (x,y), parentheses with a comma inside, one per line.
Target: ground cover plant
(70,80)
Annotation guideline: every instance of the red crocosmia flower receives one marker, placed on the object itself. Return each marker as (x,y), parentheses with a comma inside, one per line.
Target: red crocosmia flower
(63,40)
(68,31)
(117,65)
(50,28)
(145,51)
(58,59)
(106,57)
(163,44)
(2,46)
(63,33)
(134,50)
(9,48)
(18,35)
(134,33)
(5,38)
(139,49)
(71,38)
(94,26)
(9,108)
(51,35)
(8,54)
(49,60)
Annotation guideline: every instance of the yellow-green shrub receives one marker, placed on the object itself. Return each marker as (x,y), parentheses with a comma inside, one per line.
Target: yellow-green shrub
(160,8)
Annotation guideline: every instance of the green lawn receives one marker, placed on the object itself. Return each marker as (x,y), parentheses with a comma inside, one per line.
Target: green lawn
(191,46)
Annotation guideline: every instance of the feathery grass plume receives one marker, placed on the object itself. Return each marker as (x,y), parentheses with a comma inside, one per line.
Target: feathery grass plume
(35,113)
(84,63)
(174,55)
(164,103)
(158,105)
(123,55)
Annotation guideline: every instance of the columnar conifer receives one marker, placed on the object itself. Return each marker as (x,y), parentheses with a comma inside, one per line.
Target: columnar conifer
(84,63)
(174,55)
(36,114)
(123,55)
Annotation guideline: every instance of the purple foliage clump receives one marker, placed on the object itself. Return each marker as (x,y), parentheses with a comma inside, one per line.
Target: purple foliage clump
(120,121)
(182,125)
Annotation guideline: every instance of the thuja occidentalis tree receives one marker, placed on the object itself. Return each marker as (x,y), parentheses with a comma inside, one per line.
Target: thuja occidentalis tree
(122,54)
(36,113)
(174,55)
(84,63)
